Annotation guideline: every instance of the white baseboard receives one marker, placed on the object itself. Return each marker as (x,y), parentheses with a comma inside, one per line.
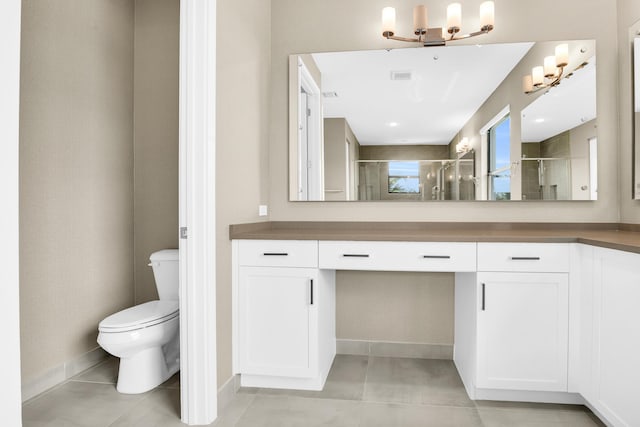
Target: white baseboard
(286,383)
(563,398)
(395,349)
(61,373)
(598,414)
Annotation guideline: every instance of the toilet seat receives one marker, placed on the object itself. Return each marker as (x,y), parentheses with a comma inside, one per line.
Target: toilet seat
(140,316)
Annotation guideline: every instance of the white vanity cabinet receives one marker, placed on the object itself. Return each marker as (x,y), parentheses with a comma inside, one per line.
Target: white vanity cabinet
(522,331)
(613,382)
(512,321)
(537,322)
(285,315)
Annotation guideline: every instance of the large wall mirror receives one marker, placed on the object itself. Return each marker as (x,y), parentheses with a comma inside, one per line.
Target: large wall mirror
(472,122)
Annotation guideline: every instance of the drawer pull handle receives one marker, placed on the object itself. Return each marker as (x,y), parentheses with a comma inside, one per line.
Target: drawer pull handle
(525,258)
(436,256)
(275,254)
(311,291)
(355,255)
(483,295)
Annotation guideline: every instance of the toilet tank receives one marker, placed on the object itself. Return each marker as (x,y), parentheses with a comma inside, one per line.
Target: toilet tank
(165,272)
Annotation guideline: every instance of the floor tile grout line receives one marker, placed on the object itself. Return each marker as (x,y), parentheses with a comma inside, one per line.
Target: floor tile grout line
(44,393)
(364,390)
(425,405)
(134,406)
(253,399)
(366,377)
(92,382)
(66,381)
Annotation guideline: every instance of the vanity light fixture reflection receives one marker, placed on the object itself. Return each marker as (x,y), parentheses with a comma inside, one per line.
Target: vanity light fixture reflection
(551,72)
(437,36)
(463,147)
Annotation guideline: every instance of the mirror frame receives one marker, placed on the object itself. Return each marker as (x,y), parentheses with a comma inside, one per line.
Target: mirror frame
(634,51)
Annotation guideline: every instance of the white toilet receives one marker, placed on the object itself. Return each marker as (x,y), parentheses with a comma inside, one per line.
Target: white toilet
(146,337)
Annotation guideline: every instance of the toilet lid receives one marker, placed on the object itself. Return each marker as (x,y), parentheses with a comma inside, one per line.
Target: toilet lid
(140,316)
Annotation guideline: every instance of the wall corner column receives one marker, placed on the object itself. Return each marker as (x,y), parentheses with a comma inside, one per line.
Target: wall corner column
(197,211)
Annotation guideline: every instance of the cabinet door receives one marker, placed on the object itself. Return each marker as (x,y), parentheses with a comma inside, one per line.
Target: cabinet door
(617,336)
(276,317)
(523,331)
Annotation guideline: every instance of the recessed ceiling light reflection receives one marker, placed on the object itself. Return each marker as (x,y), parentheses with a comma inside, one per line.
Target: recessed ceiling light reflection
(392,124)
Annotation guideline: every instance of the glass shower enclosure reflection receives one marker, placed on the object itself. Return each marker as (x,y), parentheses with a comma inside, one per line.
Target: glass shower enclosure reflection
(546,179)
(416,180)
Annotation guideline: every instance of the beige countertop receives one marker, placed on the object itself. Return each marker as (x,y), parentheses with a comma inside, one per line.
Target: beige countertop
(608,235)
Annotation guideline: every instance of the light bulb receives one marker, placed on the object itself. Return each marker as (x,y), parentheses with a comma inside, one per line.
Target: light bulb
(487,16)
(537,75)
(550,66)
(388,21)
(454,17)
(420,19)
(562,55)
(527,83)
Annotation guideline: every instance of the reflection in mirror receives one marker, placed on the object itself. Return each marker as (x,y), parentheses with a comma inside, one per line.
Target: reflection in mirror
(636,111)
(417,180)
(558,132)
(423,124)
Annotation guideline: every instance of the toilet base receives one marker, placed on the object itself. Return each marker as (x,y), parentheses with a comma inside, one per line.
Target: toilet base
(144,371)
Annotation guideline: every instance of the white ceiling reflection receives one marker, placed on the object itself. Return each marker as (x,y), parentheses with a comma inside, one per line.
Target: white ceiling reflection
(447,85)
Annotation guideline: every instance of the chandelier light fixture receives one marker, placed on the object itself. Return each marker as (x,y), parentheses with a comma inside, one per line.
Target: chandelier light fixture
(437,36)
(551,73)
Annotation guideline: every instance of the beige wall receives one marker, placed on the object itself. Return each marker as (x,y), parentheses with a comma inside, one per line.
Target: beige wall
(419,310)
(340,173)
(628,16)
(156,65)
(354,156)
(76,166)
(335,161)
(242,133)
(404,152)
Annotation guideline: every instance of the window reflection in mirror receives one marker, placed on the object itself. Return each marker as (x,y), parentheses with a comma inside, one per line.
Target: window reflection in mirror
(403,177)
(499,154)
(405,125)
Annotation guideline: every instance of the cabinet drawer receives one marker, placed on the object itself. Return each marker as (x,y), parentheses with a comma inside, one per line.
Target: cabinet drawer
(527,257)
(278,253)
(397,256)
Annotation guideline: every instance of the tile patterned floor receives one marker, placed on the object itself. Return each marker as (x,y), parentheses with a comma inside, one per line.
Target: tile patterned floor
(360,392)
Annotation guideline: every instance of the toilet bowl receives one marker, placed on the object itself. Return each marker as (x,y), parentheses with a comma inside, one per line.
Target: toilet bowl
(146,337)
